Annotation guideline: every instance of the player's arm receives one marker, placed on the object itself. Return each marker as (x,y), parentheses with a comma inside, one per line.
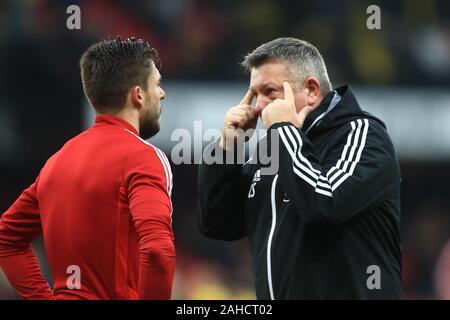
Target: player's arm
(19,225)
(148,184)
(222,189)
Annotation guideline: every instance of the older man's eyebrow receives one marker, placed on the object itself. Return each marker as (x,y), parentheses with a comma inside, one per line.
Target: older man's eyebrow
(263,86)
(271,84)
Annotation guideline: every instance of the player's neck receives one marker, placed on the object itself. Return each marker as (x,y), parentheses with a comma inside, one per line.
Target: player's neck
(130,116)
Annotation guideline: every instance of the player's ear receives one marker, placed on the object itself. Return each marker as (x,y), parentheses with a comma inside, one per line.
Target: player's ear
(137,96)
(312,86)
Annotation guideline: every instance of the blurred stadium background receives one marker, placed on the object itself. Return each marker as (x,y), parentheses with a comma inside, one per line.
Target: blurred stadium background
(401,73)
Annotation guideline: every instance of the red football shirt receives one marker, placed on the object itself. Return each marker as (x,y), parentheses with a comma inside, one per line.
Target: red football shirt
(103,205)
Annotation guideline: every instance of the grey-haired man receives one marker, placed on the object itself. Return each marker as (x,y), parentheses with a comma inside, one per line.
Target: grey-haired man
(326,224)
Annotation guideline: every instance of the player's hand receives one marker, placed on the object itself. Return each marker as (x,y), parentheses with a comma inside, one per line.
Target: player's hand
(284,110)
(242,116)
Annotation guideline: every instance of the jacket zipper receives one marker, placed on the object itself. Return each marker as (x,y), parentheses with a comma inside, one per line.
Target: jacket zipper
(269,242)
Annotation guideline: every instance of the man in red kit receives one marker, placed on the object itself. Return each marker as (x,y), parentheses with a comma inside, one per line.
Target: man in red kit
(102,202)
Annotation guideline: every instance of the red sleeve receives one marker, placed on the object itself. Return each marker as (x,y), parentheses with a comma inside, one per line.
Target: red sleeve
(19,225)
(149,181)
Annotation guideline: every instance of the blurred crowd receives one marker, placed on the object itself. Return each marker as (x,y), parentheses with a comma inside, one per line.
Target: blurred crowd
(204,40)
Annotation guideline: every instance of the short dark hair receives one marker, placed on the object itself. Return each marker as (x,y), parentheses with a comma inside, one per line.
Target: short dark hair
(109,68)
(302,58)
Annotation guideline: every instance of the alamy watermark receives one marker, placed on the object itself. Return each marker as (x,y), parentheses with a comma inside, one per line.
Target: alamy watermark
(74,279)
(374,20)
(263,146)
(73,21)
(374,280)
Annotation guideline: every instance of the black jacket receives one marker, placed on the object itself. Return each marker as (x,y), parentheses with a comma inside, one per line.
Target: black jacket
(327,225)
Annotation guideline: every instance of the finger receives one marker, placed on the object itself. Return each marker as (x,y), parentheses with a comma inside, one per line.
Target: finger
(263,113)
(251,112)
(239,113)
(264,119)
(237,121)
(248,98)
(288,93)
(236,118)
(246,111)
(304,113)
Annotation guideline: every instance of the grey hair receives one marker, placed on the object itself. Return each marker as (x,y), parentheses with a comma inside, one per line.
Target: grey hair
(302,58)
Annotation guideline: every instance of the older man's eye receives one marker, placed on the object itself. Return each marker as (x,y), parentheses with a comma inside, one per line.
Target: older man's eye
(271,92)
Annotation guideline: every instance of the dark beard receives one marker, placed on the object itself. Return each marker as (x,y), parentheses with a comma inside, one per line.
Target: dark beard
(149,128)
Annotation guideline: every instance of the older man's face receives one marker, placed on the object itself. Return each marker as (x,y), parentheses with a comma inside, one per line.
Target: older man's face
(266,83)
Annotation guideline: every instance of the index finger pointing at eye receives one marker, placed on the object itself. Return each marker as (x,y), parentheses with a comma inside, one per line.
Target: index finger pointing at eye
(288,93)
(248,98)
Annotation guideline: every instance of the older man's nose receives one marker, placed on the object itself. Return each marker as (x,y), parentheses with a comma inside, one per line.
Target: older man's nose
(261,103)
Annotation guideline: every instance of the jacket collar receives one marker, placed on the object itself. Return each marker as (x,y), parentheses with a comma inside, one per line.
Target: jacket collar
(334,111)
(328,103)
(103,120)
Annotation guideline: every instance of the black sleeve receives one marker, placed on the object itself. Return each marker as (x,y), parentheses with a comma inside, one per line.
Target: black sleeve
(355,173)
(221,200)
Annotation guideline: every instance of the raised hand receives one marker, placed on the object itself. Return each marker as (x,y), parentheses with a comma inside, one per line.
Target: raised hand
(284,110)
(242,116)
